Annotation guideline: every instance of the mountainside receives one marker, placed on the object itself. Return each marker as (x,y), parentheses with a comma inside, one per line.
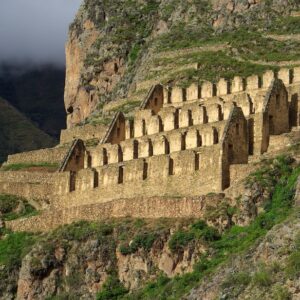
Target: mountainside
(118,50)
(246,251)
(246,242)
(37,92)
(19,134)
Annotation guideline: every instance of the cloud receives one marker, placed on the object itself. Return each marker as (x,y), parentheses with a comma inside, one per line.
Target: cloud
(35,31)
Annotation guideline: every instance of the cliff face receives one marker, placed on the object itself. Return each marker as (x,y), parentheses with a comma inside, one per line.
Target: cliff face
(117,49)
(166,258)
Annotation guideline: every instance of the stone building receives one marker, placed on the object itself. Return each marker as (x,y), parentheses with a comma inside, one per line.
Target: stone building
(182,142)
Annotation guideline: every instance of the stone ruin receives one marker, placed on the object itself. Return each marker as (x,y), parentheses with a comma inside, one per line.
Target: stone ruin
(182,142)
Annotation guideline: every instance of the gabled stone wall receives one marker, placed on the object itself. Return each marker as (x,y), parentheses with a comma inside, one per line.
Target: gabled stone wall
(182,142)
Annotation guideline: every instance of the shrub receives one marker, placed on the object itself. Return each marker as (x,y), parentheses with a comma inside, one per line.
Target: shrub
(82,230)
(199,225)
(143,240)
(14,247)
(280,293)
(112,289)
(237,279)
(293,265)
(8,203)
(125,249)
(197,231)
(210,234)
(180,239)
(262,278)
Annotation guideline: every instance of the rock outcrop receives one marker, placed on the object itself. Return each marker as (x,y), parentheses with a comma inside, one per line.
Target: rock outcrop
(72,262)
(112,46)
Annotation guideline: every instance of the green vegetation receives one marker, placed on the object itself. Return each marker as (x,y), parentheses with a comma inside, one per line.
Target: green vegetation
(197,231)
(24,166)
(14,247)
(213,66)
(262,277)
(92,142)
(112,289)
(81,231)
(244,52)
(127,107)
(237,280)
(280,293)
(13,207)
(286,25)
(140,241)
(128,29)
(293,263)
(234,241)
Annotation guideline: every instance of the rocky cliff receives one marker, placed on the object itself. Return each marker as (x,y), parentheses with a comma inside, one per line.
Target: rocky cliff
(117,50)
(243,246)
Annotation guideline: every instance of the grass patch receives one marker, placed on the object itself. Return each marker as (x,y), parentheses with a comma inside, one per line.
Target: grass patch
(249,45)
(293,262)
(92,142)
(247,53)
(212,67)
(140,241)
(286,25)
(280,293)
(197,231)
(14,247)
(14,207)
(112,289)
(237,279)
(262,278)
(127,107)
(81,231)
(24,166)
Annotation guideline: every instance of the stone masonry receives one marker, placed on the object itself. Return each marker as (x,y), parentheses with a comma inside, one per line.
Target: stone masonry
(180,143)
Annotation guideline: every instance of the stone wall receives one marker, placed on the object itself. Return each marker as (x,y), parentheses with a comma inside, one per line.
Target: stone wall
(189,172)
(154,99)
(157,207)
(51,155)
(158,143)
(86,132)
(176,95)
(176,165)
(198,142)
(34,185)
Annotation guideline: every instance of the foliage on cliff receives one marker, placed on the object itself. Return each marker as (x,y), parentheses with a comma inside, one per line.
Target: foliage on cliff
(228,37)
(134,259)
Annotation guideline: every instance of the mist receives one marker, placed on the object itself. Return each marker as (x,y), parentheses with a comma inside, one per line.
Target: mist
(34,32)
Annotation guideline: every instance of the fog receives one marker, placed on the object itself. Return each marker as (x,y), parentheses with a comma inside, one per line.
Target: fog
(34,32)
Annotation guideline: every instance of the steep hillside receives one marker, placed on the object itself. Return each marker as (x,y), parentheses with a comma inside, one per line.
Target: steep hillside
(18,134)
(117,50)
(235,252)
(37,92)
